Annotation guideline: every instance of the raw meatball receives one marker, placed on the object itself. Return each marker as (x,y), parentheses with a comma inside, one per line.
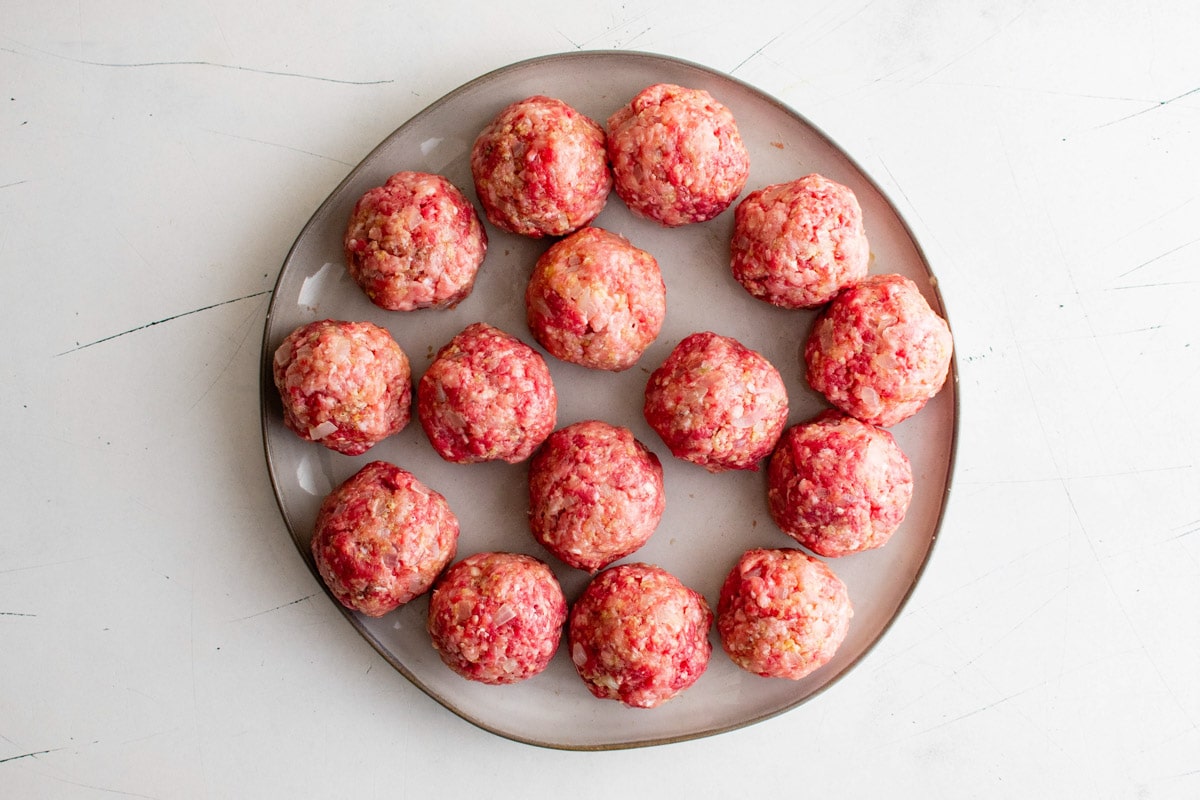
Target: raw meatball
(676,154)
(638,635)
(595,494)
(540,168)
(497,618)
(837,485)
(878,351)
(414,242)
(596,300)
(381,538)
(487,396)
(346,385)
(782,613)
(717,403)
(795,245)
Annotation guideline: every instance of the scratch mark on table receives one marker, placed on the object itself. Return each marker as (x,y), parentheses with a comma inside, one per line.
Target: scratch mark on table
(998,569)
(999,639)
(1159,285)
(150,736)
(1001,701)
(916,214)
(132,246)
(1055,678)
(1079,520)
(278,144)
(161,321)
(1081,477)
(192,671)
(896,183)
(971,49)
(47,565)
(276,608)
(851,17)
(30,755)
(1029,90)
(1095,337)
(626,44)
(607,31)
(14,183)
(195,63)
(757,52)
(15,614)
(1159,257)
(1133,627)
(105,789)
(1146,329)
(221,30)
(246,328)
(1156,218)
(570,41)
(1155,107)
(1192,527)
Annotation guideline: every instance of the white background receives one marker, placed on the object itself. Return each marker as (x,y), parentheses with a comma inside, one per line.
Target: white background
(159,634)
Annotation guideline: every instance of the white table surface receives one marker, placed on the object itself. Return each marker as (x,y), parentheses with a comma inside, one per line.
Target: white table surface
(161,637)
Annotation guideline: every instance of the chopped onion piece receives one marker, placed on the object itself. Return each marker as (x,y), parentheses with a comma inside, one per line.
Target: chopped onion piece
(283,353)
(319,432)
(504,614)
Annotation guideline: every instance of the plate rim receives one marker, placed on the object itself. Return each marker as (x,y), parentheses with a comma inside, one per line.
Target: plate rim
(267,387)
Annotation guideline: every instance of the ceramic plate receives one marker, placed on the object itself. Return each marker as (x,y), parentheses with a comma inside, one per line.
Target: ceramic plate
(710,519)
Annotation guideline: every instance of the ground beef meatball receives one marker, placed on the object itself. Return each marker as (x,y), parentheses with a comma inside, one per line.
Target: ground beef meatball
(487,396)
(837,485)
(497,618)
(717,403)
(381,538)
(595,494)
(540,168)
(795,245)
(638,635)
(878,351)
(596,300)
(782,613)
(676,155)
(414,242)
(347,385)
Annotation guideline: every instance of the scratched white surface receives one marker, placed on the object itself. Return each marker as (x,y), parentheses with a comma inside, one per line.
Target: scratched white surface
(159,635)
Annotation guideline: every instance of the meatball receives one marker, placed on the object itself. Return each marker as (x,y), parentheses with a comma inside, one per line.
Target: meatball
(596,300)
(497,618)
(676,155)
(795,245)
(414,242)
(717,403)
(837,485)
(487,396)
(381,538)
(639,636)
(878,351)
(540,168)
(595,494)
(782,613)
(346,385)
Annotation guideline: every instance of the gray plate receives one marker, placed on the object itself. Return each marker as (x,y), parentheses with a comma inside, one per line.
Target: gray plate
(710,519)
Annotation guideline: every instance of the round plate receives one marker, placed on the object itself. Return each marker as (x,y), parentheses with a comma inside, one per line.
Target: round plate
(710,519)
